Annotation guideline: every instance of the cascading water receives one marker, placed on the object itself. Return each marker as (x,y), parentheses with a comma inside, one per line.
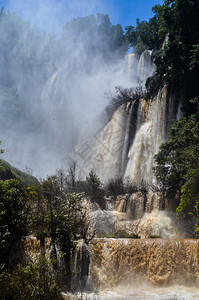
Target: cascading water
(132,66)
(129,135)
(125,265)
(140,67)
(154,119)
(145,67)
(139,214)
(135,269)
(159,262)
(81,265)
(126,146)
(138,268)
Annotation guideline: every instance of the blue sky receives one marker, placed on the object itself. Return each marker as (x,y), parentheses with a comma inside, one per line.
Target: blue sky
(51,15)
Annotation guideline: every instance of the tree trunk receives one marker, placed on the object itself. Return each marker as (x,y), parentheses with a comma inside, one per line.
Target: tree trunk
(42,246)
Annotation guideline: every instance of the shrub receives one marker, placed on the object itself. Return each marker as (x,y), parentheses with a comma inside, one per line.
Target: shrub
(115,186)
(154,236)
(123,96)
(35,281)
(120,234)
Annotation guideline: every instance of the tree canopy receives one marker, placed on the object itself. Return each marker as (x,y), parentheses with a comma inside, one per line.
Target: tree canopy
(144,36)
(177,165)
(172,34)
(13,218)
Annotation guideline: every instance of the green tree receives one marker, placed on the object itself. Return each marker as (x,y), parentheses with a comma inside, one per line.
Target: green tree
(173,34)
(177,165)
(38,215)
(69,228)
(35,281)
(93,182)
(13,219)
(144,36)
(57,215)
(175,61)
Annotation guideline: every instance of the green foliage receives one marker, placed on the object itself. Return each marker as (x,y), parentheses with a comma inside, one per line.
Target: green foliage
(120,234)
(177,167)
(8,172)
(35,281)
(118,186)
(172,33)
(153,85)
(58,215)
(53,207)
(13,217)
(62,210)
(194,59)
(93,182)
(115,187)
(45,210)
(154,236)
(177,60)
(71,220)
(38,221)
(144,36)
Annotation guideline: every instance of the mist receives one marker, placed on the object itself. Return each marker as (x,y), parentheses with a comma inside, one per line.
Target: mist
(52,86)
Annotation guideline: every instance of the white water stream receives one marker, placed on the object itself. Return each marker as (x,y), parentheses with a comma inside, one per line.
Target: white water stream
(143,293)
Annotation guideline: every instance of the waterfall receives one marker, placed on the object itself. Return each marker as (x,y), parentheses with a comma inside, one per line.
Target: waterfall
(129,134)
(137,269)
(127,144)
(145,67)
(140,67)
(125,147)
(80,280)
(127,262)
(154,119)
(138,213)
(132,66)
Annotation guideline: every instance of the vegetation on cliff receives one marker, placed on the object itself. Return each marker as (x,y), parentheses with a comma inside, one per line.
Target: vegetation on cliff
(177,65)
(173,36)
(8,172)
(177,166)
